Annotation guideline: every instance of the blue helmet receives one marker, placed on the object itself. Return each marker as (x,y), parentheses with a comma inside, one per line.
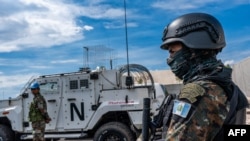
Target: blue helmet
(34,85)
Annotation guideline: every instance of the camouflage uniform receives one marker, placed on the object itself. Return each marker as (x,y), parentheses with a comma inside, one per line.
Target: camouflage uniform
(206,116)
(37,117)
(38,130)
(209,98)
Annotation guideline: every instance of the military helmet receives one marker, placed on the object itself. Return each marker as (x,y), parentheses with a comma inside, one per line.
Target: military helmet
(34,85)
(196,31)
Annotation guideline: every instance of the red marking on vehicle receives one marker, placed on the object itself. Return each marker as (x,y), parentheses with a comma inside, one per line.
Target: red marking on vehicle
(120,102)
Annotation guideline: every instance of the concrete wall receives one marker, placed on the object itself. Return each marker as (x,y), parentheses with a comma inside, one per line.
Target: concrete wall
(173,88)
(165,77)
(241,75)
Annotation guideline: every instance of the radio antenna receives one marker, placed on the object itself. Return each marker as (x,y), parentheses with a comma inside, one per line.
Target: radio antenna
(129,79)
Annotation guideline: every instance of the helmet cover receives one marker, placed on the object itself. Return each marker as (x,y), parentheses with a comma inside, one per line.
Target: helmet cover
(34,85)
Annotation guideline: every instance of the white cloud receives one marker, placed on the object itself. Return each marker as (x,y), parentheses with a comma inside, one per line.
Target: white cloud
(229,62)
(39,24)
(176,5)
(87,27)
(11,85)
(8,47)
(39,67)
(64,61)
(115,25)
(42,23)
(180,4)
(102,12)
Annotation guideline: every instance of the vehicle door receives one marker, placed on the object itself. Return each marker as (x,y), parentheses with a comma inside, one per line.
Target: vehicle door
(78,101)
(50,89)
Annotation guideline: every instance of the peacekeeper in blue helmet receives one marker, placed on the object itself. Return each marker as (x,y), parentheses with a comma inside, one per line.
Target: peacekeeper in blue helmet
(209,98)
(38,115)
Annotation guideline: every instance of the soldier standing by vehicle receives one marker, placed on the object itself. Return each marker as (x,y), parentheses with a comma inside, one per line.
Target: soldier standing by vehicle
(209,98)
(38,113)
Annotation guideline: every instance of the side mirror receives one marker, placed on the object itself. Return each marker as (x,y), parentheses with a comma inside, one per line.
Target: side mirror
(25,95)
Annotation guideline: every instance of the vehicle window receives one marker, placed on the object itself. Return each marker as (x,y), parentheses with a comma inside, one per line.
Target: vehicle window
(73,84)
(84,83)
(78,84)
(49,87)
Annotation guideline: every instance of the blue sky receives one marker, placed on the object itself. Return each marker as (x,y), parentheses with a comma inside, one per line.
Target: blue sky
(47,37)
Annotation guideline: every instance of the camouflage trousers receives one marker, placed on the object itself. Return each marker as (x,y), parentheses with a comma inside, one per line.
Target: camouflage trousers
(38,130)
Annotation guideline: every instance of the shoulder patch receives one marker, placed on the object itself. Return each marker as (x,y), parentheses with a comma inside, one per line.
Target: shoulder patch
(181,108)
(191,91)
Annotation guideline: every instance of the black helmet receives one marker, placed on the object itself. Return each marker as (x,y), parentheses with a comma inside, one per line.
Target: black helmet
(196,31)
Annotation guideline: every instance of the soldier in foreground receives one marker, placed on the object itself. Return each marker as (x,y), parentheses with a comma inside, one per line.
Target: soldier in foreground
(38,113)
(209,98)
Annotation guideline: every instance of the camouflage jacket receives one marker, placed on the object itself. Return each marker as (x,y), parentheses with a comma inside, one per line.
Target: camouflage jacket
(198,113)
(36,107)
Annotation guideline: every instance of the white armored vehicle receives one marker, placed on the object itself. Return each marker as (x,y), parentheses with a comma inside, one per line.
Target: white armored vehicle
(101,104)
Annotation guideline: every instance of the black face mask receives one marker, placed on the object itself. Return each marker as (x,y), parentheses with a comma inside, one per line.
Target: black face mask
(179,63)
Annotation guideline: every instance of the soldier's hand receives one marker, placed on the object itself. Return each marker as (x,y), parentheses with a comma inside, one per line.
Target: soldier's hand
(47,120)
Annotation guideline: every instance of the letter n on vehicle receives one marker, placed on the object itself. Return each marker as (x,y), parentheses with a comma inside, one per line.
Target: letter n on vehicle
(73,107)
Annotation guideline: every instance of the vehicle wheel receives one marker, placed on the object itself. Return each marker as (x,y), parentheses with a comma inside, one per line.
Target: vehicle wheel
(114,131)
(6,134)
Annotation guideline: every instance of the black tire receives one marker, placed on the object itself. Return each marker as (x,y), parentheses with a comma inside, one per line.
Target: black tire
(6,134)
(114,131)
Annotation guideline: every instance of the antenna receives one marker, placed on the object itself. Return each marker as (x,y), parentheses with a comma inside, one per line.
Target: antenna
(87,55)
(85,67)
(129,79)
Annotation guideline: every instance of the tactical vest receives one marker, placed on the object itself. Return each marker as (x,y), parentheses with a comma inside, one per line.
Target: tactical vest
(34,113)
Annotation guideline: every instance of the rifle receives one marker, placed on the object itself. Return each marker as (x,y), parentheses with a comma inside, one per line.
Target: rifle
(165,111)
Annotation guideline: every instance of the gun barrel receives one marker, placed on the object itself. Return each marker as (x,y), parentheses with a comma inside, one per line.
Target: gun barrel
(146,119)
